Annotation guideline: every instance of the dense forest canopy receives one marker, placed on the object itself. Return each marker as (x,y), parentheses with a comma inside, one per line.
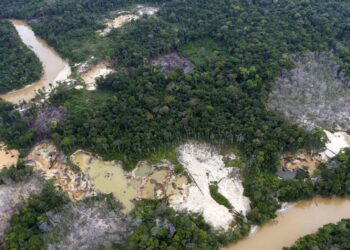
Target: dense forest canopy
(330,236)
(18,64)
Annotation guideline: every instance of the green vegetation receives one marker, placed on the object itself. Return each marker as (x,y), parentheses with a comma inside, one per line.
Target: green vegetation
(15,128)
(162,228)
(330,236)
(25,232)
(265,190)
(239,48)
(219,198)
(18,65)
(15,173)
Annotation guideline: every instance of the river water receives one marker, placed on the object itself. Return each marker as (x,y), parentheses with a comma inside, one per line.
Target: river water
(299,219)
(55,68)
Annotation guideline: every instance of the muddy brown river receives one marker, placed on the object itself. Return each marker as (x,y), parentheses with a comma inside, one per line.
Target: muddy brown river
(299,219)
(54,67)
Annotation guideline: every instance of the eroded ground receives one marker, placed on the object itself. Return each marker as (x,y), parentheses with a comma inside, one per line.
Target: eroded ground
(336,142)
(206,166)
(52,165)
(101,69)
(203,165)
(300,160)
(125,17)
(117,23)
(145,182)
(8,158)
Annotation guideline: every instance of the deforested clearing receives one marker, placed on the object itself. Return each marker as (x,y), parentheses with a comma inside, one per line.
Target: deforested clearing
(173,61)
(8,157)
(101,69)
(300,160)
(314,93)
(206,166)
(336,143)
(86,225)
(146,10)
(52,165)
(117,23)
(13,196)
(145,182)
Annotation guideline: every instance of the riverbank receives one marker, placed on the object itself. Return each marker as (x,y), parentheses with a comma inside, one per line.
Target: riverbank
(297,220)
(55,68)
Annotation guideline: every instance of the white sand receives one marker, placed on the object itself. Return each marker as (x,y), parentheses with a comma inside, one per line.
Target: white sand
(99,70)
(336,143)
(206,166)
(117,23)
(143,10)
(50,163)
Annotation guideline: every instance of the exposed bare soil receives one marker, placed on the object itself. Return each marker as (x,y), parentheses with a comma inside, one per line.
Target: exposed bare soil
(206,166)
(8,158)
(52,164)
(101,69)
(173,61)
(300,160)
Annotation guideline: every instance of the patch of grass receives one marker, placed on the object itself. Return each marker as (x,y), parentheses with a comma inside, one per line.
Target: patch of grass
(202,52)
(219,198)
(169,154)
(75,168)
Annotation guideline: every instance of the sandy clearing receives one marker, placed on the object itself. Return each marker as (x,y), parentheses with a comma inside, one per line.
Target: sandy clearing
(337,141)
(117,23)
(100,70)
(300,160)
(8,158)
(144,182)
(206,166)
(50,163)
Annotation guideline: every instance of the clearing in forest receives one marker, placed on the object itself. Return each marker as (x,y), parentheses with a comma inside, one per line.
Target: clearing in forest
(145,182)
(125,17)
(52,164)
(13,196)
(173,61)
(315,93)
(102,69)
(8,157)
(206,167)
